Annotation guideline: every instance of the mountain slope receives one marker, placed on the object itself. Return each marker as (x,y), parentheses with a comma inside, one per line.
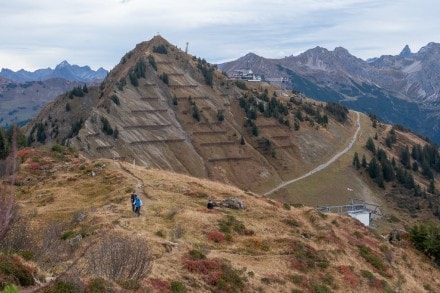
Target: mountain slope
(63,70)
(193,121)
(267,247)
(21,101)
(399,89)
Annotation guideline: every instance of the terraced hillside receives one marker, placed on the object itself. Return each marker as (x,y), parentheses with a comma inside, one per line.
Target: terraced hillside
(166,109)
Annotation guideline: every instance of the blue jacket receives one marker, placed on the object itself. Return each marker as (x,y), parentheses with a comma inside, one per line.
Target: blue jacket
(137,202)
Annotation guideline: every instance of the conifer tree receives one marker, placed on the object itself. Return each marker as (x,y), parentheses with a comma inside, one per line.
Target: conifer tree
(431,187)
(356,162)
(3,145)
(370,145)
(364,161)
(405,158)
(373,168)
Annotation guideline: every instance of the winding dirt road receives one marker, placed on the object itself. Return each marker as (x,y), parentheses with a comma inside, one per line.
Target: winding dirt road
(326,164)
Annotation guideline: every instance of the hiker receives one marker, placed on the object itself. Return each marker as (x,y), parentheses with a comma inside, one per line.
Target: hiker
(210,204)
(137,204)
(133,198)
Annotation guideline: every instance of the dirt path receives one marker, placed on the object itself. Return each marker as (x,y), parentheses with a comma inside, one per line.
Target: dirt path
(139,187)
(326,164)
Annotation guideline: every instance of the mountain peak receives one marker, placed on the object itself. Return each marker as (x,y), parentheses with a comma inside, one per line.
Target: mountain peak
(64,63)
(430,47)
(406,52)
(341,51)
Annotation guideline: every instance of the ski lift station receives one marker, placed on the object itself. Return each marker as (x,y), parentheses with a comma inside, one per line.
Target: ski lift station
(361,211)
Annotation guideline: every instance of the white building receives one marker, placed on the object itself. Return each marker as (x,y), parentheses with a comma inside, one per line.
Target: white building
(245,74)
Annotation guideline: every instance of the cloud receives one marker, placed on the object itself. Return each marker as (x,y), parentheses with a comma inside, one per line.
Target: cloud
(98,32)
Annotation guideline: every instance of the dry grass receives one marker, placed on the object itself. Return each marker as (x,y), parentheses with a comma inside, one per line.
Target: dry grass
(267,247)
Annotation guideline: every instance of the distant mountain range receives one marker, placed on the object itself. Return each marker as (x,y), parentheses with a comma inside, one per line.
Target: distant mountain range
(402,89)
(24,93)
(63,70)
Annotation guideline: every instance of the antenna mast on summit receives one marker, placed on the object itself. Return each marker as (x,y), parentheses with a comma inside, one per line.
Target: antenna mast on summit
(186,49)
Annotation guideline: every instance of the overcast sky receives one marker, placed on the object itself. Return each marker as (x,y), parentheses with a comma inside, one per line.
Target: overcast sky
(42,33)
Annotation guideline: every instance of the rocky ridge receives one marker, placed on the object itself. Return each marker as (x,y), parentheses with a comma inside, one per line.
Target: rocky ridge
(63,70)
(401,89)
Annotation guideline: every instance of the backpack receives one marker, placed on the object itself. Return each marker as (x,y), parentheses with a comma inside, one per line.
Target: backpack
(138,202)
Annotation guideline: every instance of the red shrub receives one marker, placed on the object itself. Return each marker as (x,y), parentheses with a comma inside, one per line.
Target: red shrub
(25,152)
(297,265)
(349,275)
(159,285)
(216,237)
(33,166)
(202,266)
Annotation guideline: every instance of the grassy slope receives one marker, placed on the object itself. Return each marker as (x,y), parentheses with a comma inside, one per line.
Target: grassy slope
(320,188)
(285,249)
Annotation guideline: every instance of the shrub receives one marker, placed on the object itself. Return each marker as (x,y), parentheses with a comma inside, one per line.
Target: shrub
(106,127)
(349,275)
(320,288)
(241,84)
(129,284)
(358,234)
(152,62)
(115,100)
(426,238)
(177,287)
(292,222)
(253,244)
(14,271)
(220,115)
(373,259)
(160,233)
(159,285)
(10,289)
(195,112)
(99,285)
(77,91)
(75,128)
(68,234)
(338,111)
(120,258)
(297,279)
(368,275)
(306,258)
(57,148)
(164,78)
(133,79)
(63,286)
(196,254)
(216,237)
(232,224)
(161,49)
(122,82)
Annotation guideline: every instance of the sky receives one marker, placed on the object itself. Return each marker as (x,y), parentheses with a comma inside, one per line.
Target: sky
(42,33)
